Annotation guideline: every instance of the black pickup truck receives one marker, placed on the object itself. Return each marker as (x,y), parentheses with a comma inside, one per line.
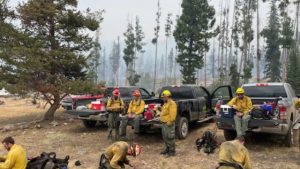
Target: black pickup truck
(91,117)
(194,104)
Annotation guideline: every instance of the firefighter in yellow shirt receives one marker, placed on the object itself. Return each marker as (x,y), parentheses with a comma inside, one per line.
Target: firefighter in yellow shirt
(234,155)
(168,118)
(243,105)
(136,110)
(115,156)
(115,107)
(16,157)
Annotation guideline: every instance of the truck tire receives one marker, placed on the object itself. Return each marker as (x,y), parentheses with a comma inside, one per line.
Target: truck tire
(229,135)
(289,138)
(182,128)
(89,123)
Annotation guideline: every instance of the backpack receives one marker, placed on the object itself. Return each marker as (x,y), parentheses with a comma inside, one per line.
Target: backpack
(207,142)
(260,114)
(48,161)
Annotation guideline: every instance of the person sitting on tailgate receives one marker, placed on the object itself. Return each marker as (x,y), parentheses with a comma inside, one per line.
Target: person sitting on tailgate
(136,109)
(243,105)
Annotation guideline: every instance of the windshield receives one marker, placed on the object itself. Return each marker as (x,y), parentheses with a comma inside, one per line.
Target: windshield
(125,92)
(265,91)
(180,92)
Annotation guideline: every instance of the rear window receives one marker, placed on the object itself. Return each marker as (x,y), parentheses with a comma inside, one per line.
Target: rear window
(124,92)
(180,92)
(265,91)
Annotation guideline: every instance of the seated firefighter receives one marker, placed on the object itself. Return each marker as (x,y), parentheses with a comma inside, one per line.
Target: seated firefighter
(135,111)
(243,105)
(16,157)
(234,155)
(115,107)
(115,156)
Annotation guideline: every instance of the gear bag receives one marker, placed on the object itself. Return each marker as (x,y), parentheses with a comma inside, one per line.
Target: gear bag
(260,114)
(207,142)
(48,161)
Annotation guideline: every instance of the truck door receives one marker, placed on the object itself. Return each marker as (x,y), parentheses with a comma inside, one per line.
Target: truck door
(223,93)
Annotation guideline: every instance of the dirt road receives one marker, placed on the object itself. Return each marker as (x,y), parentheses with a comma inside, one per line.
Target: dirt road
(71,138)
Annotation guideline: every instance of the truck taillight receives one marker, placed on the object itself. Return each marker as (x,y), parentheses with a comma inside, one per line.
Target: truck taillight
(282,112)
(218,107)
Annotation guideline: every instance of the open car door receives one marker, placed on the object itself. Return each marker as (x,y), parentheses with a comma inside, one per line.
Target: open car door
(223,93)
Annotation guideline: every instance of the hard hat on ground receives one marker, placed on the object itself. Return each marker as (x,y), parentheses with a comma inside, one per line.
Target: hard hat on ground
(136,149)
(240,91)
(166,93)
(116,92)
(137,93)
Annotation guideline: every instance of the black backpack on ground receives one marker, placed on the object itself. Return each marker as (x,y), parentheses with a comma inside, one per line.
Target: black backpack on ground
(207,142)
(48,161)
(260,114)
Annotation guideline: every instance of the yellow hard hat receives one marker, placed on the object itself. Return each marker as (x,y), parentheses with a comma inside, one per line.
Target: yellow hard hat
(240,91)
(166,93)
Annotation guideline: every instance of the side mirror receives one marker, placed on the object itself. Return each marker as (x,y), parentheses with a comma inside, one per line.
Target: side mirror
(152,94)
(298,95)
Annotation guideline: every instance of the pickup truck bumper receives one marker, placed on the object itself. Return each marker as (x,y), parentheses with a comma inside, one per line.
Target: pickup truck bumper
(259,126)
(94,115)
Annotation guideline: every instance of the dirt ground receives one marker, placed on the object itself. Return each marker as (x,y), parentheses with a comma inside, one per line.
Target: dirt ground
(86,145)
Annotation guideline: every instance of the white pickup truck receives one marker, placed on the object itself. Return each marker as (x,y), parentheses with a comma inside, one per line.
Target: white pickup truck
(285,123)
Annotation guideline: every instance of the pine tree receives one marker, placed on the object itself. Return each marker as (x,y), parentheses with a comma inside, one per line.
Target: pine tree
(192,35)
(234,76)
(49,56)
(129,53)
(272,57)
(114,58)
(168,33)
(139,36)
(293,69)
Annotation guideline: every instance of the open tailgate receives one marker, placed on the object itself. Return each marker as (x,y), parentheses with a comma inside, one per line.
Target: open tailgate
(253,123)
(83,113)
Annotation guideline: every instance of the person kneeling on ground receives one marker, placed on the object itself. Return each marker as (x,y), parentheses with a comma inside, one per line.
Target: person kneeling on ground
(16,157)
(234,155)
(115,156)
(243,105)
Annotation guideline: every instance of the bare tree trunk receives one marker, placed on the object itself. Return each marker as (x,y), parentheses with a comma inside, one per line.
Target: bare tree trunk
(166,61)
(257,43)
(175,66)
(155,60)
(205,69)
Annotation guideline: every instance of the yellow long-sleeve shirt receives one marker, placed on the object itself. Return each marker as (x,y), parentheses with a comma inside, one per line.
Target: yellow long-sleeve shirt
(15,159)
(169,112)
(115,104)
(136,107)
(117,153)
(234,152)
(243,105)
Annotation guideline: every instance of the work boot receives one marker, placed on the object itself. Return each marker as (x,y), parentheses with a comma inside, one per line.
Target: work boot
(166,151)
(171,154)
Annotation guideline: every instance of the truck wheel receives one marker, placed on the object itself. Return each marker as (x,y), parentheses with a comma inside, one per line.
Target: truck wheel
(289,138)
(183,128)
(89,123)
(229,135)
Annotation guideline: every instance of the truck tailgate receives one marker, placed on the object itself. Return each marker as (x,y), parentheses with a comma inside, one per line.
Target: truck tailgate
(253,123)
(83,113)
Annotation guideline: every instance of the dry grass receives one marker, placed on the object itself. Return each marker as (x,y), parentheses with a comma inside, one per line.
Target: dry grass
(71,138)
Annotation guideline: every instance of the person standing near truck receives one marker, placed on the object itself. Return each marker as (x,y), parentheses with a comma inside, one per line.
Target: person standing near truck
(135,111)
(234,155)
(168,118)
(115,106)
(242,105)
